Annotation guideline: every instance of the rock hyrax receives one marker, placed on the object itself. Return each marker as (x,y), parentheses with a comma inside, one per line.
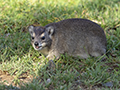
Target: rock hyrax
(76,37)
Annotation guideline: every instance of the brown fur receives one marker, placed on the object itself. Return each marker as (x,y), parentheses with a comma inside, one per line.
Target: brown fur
(76,37)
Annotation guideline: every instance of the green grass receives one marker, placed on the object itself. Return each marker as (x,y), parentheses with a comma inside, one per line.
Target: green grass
(17,55)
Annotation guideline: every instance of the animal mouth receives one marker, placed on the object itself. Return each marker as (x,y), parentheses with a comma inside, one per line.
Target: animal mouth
(37,47)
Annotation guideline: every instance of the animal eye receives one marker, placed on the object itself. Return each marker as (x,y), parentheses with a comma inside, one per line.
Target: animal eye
(43,38)
(32,38)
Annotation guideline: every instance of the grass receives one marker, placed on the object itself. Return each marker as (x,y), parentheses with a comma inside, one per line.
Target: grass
(18,57)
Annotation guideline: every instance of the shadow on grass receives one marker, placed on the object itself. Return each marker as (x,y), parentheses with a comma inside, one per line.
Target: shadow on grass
(18,56)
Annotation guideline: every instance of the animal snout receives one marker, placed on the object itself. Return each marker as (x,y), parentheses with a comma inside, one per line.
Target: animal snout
(36,43)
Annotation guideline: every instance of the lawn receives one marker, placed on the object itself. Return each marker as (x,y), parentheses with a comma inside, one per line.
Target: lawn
(21,66)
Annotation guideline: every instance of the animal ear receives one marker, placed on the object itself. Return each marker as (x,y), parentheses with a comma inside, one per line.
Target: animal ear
(31,30)
(50,30)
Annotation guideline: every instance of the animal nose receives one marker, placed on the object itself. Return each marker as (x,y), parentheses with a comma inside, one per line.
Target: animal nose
(36,43)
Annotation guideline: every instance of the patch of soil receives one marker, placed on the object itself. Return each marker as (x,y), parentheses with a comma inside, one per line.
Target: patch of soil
(8,79)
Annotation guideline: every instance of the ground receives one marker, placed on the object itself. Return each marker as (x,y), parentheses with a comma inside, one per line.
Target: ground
(22,66)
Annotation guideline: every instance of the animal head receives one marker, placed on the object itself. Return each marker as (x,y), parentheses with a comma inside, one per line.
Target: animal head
(41,37)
